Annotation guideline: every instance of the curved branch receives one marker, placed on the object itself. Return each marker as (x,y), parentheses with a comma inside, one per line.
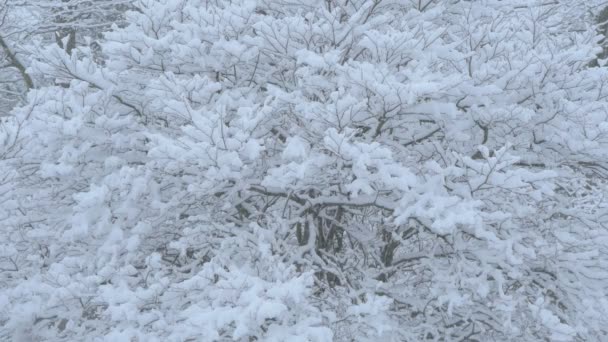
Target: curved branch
(15,62)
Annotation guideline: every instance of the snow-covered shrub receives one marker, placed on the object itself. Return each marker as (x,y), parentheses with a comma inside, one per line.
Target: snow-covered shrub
(312,171)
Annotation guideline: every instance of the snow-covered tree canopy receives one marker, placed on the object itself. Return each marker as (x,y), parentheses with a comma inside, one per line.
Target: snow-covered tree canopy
(25,25)
(301,170)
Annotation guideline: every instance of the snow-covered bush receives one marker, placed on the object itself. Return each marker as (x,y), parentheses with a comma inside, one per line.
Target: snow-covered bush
(312,171)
